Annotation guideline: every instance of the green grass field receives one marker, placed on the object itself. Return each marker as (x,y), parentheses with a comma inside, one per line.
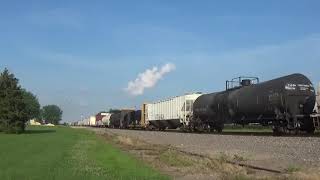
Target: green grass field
(66,153)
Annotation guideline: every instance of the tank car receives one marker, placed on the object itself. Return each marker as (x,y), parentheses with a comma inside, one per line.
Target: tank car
(286,103)
(106,120)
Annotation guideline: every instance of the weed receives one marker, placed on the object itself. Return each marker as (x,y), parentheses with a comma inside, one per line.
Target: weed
(292,168)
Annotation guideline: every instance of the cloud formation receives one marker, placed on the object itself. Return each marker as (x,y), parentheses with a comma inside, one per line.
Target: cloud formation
(148,79)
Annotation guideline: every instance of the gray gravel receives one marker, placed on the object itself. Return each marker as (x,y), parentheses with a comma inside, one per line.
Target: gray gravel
(267,151)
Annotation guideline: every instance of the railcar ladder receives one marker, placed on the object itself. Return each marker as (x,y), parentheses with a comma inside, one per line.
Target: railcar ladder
(316,120)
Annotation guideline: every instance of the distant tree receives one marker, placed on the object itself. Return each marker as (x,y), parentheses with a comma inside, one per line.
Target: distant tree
(32,105)
(114,110)
(13,114)
(51,114)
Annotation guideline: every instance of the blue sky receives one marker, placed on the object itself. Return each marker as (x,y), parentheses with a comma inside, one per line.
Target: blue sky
(82,54)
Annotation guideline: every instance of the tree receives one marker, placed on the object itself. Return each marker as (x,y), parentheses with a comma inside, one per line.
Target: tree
(51,114)
(114,110)
(32,105)
(13,115)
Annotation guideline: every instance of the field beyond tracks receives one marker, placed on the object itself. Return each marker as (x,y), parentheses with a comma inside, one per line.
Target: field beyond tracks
(66,153)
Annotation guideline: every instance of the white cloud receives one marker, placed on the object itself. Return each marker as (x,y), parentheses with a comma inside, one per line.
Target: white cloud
(148,79)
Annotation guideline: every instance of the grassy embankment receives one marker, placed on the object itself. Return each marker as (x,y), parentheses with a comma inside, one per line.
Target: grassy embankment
(66,153)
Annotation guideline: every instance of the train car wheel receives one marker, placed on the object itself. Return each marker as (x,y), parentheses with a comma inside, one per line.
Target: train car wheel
(219,127)
(278,130)
(310,129)
(308,126)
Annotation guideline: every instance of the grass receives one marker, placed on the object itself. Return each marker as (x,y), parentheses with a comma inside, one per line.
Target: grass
(175,159)
(66,153)
(292,168)
(247,129)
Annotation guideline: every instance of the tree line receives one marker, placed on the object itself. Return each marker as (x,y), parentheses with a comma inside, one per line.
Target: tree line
(17,106)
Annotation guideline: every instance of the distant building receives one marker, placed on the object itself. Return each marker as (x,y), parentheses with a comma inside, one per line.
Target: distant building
(33,122)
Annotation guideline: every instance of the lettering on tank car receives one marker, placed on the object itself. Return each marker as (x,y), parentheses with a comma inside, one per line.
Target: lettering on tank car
(305,87)
(301,87)
(290,86)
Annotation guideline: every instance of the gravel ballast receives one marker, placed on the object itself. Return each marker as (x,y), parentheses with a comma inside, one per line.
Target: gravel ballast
(266,151)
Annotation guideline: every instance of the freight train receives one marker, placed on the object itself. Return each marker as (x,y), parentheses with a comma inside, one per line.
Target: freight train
(286,103)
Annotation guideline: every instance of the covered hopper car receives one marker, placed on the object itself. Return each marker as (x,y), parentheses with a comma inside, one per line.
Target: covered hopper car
(125,118)
(170,113)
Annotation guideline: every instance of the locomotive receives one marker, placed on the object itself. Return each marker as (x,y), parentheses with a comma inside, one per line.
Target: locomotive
(285,103)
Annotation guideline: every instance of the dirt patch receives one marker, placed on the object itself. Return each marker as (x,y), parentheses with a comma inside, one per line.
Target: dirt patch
(310,174)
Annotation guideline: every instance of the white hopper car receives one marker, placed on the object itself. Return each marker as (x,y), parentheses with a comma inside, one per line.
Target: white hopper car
(170,113)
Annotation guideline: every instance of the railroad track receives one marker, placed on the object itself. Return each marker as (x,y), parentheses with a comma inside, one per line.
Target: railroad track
(259,168)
